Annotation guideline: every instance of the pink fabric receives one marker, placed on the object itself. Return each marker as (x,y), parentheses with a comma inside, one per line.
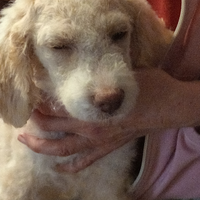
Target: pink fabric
(171,161)
(171,166)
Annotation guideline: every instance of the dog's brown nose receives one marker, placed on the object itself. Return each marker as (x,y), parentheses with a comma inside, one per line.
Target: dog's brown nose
(108,100)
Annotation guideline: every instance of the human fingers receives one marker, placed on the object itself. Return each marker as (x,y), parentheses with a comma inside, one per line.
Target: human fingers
(56,147)
(52,107)
(74,143)
(56,123)
(88,151)
(89,156)
(46,122)
(63,148)
(97,131)
(84,160)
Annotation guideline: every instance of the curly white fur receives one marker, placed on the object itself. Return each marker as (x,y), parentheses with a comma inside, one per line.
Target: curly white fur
(77,52)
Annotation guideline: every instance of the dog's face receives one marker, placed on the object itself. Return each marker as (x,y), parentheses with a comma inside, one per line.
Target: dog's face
(87,49)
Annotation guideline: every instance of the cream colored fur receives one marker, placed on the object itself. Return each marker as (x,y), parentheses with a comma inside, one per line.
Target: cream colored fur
(71,50)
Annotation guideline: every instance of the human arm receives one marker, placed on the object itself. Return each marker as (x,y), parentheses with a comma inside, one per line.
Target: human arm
(163,102)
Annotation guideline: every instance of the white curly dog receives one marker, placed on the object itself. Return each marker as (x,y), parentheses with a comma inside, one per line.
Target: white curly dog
(82,53)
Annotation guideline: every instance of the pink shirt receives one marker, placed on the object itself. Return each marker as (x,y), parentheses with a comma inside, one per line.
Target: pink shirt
(171,160)
(170,167)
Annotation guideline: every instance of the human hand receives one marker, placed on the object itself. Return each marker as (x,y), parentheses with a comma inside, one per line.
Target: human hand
(92,141)
(160,105)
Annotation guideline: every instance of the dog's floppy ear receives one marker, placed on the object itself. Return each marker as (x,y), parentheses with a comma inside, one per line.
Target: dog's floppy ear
(150,37)
(18,93)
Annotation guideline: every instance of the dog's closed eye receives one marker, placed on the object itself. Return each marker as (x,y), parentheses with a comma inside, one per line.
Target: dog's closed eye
(62,47)
(119,36)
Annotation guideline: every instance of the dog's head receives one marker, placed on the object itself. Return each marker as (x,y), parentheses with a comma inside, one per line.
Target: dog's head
(84,50)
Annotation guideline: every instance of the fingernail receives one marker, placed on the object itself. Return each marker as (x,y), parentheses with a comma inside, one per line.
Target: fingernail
(22,139)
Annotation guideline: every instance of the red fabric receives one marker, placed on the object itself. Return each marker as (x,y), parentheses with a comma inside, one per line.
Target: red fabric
(169,10)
